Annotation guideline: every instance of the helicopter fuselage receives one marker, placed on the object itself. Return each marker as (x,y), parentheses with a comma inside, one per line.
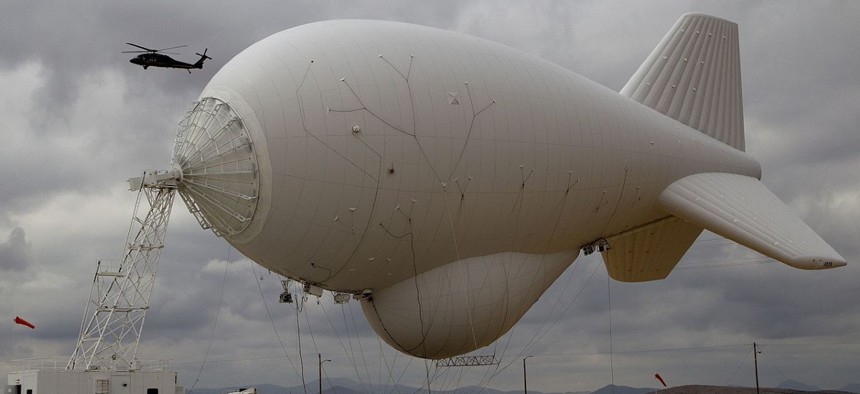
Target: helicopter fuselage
(158,60)
(152,57)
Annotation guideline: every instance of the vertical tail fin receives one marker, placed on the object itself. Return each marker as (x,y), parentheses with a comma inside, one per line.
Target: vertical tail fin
(203,58)
(694,77)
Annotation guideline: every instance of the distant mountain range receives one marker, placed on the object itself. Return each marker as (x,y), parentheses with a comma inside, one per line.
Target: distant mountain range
(348,386)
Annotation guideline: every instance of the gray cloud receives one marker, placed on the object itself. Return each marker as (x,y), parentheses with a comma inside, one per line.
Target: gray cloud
(15,251)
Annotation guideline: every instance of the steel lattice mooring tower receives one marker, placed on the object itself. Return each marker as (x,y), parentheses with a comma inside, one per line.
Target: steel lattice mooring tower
(113,322)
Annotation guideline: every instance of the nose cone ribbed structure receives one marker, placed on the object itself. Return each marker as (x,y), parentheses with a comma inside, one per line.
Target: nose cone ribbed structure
(215,155)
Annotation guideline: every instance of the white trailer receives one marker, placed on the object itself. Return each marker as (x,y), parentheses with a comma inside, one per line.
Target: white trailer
(37,376)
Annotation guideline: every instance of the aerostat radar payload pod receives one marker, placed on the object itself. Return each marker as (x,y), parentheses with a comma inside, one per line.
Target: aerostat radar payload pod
(450,180)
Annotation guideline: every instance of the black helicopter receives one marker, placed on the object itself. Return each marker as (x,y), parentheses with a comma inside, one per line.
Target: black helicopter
(154,57)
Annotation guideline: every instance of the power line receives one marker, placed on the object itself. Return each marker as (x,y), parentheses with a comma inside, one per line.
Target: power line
(214,322)
(269,313)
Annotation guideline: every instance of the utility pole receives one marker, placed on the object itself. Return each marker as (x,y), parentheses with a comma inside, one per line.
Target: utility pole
(321,361)
(755,358)
(525,380)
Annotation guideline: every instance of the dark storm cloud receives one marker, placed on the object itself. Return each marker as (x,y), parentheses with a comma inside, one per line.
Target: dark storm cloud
(15,251)
(90,39)
(87,155)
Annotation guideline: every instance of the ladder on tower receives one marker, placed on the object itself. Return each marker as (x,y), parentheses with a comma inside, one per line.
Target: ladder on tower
(119,299)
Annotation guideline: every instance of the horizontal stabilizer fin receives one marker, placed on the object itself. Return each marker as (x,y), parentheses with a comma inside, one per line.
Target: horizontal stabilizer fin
(743,210)
(649,252)
(694,77)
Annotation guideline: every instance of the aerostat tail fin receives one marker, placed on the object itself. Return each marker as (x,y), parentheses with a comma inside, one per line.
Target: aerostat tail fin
(649,252)
(742,209)
(694,77)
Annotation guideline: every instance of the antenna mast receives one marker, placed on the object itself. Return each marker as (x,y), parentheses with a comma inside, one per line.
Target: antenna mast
(113,320)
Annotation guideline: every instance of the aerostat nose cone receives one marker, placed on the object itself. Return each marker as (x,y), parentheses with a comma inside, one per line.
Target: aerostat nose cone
(215,156)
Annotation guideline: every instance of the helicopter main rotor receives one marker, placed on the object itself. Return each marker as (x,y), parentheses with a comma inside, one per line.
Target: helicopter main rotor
(148,50)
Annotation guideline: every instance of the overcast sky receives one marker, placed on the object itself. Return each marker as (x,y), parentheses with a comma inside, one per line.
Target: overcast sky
(78,120)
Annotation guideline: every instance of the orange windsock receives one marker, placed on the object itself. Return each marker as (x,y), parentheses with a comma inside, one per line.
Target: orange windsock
(657,375)
(23,322)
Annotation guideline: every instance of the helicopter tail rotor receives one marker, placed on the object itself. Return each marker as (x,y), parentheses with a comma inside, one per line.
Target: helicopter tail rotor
(203,55)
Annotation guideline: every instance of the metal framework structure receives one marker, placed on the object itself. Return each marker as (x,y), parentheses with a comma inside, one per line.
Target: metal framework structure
(467,361)
(113,321)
